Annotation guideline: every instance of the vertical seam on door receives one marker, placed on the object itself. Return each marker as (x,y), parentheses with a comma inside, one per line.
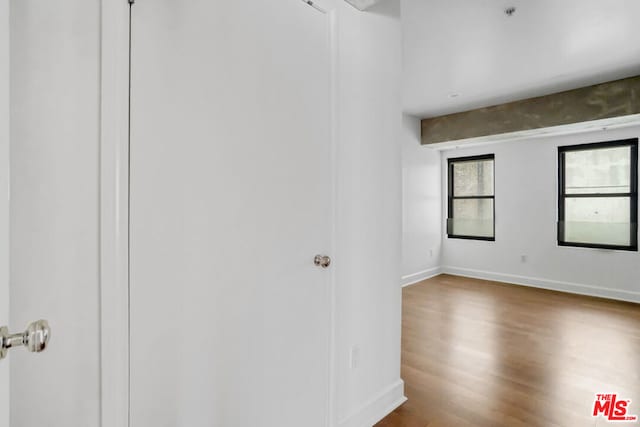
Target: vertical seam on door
(129,229)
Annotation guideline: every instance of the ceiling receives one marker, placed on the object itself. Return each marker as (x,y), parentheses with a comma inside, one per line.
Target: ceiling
(465,54)
(362,4)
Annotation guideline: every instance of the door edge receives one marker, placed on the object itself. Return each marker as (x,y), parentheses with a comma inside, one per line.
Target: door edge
(114,214)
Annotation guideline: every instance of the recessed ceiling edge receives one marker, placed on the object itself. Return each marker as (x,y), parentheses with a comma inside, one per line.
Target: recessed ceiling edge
(362,4)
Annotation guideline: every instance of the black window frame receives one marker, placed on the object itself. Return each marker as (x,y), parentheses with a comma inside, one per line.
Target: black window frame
(451,197)
(632,194)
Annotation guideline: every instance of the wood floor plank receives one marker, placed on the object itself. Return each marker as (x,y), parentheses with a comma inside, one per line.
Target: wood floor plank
(485,354)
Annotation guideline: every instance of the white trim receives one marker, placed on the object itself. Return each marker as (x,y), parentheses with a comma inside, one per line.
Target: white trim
(412,279)
(332,16)
(554,285)
(377,407)
(570,129)
(114,292)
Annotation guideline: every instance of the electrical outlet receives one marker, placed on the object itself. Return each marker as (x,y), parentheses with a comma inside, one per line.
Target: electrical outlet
(431,253)
(523,258)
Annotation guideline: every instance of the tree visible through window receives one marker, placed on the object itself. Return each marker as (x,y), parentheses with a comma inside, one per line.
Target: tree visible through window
(598,195)
(471,198)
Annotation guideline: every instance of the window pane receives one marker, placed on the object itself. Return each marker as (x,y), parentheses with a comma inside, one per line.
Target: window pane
(605,170)
(473,178)
(472,217)
(598,220)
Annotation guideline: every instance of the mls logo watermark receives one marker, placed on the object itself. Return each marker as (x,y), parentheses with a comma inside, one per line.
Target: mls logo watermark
(612,408)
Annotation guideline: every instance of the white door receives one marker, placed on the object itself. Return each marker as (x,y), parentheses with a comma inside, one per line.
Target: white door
(49,242)
(230,200)
(4,200)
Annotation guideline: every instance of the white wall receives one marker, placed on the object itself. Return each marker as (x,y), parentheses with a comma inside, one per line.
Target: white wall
(4,201)
(54,209)
(421,206)
(367,268)
(526,214)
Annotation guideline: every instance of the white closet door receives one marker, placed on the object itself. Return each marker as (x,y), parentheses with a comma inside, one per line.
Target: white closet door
(49,235)
(230,200)
(4,201)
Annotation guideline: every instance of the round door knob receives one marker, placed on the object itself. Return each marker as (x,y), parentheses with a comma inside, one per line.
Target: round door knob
(36,337)
(4,333)
(322,261)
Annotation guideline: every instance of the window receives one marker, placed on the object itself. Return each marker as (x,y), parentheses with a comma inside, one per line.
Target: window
(471,198)
(598,195)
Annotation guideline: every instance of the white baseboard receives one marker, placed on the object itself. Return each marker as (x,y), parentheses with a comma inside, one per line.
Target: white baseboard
(412,279)
(376,408)
(554,285)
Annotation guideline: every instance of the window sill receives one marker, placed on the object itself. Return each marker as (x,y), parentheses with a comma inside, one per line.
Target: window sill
(596,246)
(486,239)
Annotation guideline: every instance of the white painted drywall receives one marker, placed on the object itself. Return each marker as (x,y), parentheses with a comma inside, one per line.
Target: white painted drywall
(526,214)
(462,54)
(4,201)
(54,209)
(421,205)
(368,298)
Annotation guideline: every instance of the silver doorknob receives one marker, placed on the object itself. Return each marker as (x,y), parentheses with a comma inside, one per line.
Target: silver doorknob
(35,338)
(322,261)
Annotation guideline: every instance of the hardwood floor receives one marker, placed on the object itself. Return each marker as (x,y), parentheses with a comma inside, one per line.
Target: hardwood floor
(484,354)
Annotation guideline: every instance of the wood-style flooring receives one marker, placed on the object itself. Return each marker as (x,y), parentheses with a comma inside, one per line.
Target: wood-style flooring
(483,354)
